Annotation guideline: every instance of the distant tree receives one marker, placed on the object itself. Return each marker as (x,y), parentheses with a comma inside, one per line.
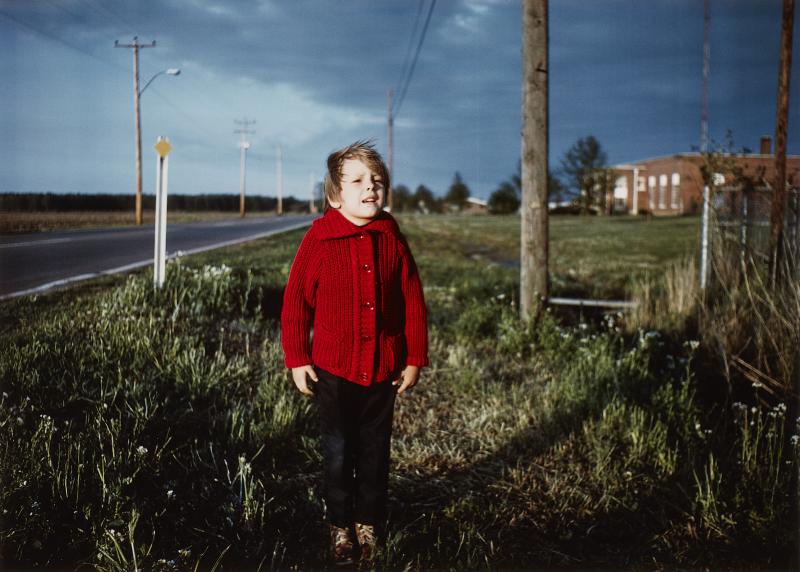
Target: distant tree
(505,200)
(458,193)
(583,166)
(556,191)
(402,200)
(516,178)
(424,200)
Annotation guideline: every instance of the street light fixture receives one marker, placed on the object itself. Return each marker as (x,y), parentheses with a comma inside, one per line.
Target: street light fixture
(170,71)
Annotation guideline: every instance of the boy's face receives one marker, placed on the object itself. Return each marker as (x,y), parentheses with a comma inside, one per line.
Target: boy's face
(361,196)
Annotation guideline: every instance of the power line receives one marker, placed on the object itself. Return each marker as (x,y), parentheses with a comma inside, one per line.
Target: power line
(411,37)
(119,20)
(414,61)
(59,40)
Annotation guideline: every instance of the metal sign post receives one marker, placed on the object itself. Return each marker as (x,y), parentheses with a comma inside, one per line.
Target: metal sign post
(704,239)
(162,169)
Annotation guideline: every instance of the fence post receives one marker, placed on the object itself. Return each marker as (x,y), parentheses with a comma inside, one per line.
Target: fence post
(704,240)
(743,222)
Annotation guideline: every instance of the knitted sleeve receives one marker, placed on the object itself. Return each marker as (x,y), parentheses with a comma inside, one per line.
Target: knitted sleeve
(299,301)
(416,318)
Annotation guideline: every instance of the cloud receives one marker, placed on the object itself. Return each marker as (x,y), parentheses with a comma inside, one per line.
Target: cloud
(468,20)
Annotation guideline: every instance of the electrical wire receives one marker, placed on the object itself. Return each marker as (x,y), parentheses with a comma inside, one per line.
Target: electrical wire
(59,40)
(414,61)
(410,47)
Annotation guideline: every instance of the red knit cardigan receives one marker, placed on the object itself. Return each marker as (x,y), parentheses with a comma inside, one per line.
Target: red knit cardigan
(360,288)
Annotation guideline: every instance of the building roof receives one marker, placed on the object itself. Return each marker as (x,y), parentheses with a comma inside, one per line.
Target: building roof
(477,201)
(694,154)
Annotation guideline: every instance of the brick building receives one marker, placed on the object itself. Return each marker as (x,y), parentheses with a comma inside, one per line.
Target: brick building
(673,184)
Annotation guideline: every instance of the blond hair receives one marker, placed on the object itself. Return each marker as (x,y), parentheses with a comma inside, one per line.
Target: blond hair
(365,152)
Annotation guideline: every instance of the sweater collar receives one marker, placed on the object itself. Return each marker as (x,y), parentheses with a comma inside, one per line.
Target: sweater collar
(333,225)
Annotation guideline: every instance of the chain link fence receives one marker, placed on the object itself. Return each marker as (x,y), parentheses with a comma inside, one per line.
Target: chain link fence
(739,225)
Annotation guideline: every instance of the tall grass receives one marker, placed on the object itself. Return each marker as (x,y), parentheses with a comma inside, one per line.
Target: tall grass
(144,429)
(667,301)
(754,324)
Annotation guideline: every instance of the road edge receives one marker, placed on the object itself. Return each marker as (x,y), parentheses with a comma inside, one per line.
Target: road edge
(49,286)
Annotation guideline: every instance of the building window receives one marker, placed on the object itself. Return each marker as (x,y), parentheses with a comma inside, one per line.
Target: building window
(621,195)
(662,191)
(676,191)
(651,192)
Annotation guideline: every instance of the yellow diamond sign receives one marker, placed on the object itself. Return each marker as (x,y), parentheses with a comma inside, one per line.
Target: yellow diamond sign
(163,147)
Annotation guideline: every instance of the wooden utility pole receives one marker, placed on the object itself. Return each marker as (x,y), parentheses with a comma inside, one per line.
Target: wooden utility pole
(244,145)
(279,182)
(534,233)
(136,93)
(390,136)
(706,74)
(781,127)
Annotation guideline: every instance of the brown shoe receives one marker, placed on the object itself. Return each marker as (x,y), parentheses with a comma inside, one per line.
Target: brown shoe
(342,545)
(367,540)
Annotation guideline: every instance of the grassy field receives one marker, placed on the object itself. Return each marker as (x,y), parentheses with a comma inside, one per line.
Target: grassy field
(17,222)
(159,430)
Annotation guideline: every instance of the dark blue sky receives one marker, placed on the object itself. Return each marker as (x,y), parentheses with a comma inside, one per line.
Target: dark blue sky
(315,76)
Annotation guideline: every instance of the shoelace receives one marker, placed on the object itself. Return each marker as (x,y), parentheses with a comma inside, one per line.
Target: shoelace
(365,534)
(341,537)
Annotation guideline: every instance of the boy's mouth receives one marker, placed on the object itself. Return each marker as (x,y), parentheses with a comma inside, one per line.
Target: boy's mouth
(370,200)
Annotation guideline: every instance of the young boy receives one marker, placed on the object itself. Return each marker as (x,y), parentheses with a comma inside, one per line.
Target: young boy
(354,279)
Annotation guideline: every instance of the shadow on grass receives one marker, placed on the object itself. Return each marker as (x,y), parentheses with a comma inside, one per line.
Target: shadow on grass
(535,503)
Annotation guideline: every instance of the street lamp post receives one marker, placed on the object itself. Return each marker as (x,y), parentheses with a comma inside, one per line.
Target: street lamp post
(136,95)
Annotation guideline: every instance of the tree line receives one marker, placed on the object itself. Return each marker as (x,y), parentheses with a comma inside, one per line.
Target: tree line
(580,184)
(38,202)
(582,181)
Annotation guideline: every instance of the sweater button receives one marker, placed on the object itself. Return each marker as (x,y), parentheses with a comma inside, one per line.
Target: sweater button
(366,268)
(366,338)
(369,305)
(362,235)
(364,377)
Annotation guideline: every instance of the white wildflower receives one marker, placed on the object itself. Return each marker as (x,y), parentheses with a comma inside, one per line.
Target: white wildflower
(141,450)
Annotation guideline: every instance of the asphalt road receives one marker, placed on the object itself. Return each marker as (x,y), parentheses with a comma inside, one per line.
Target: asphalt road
(36,262)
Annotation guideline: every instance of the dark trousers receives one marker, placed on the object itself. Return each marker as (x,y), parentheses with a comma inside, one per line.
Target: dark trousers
(356,428)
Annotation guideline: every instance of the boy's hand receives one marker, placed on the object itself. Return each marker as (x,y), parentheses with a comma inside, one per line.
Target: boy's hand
(301,381)
(408,378)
